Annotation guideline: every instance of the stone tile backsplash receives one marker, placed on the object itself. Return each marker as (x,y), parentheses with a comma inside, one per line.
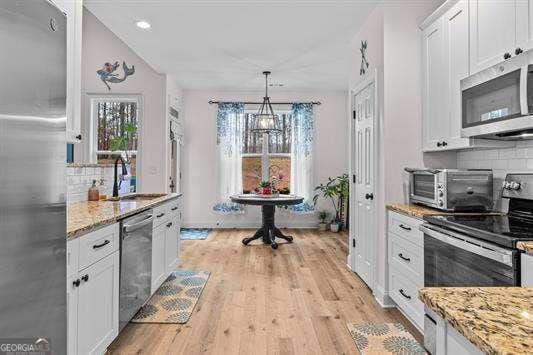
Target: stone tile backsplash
(501,161)
(80,178)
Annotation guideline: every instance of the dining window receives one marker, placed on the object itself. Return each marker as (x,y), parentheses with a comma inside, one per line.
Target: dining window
(279,149)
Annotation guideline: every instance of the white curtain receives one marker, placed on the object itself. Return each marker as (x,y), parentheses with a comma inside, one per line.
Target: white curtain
(302,156)
(230,120)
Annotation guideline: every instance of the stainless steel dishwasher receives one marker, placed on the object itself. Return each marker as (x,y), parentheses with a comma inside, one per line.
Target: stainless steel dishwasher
(135,264)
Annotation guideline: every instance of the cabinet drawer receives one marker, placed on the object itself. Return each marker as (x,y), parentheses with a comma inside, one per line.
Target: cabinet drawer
(406,257)
(98,244)
(174,206)
(160,214)
(406,227)
(405,293)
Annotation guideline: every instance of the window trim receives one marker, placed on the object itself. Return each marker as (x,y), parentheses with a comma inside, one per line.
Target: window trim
(92,142)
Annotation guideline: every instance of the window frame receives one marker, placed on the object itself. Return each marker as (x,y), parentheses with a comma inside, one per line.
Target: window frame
(93,129)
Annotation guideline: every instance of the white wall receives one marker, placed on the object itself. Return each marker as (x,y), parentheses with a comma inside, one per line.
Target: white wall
(100,45)
(200,165)
(394,50)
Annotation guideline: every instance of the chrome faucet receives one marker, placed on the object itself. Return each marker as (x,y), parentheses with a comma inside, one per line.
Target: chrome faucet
(116,184)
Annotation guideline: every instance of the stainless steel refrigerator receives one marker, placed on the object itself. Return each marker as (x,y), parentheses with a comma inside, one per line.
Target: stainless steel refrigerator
(33,73)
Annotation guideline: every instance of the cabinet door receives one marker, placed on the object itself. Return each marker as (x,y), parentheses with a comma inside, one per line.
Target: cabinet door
(524,24)
(457,43)
(98,305)
(435,125)
(158,256)
(171,244)
(492,32)
(72,314)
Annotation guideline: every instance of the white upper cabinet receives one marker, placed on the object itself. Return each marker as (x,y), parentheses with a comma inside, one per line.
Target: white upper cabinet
(492,32)
(447,57)
(73,9)
(434,86)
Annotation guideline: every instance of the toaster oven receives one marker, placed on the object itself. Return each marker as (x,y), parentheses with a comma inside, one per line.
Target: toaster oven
(451,189)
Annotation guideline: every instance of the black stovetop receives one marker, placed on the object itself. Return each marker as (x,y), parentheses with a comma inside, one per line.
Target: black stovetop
(503,230)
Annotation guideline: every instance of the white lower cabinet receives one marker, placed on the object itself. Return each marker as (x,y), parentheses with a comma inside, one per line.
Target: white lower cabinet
(527,270)
(158,256)
(449,341)
(93,292)
(406,265)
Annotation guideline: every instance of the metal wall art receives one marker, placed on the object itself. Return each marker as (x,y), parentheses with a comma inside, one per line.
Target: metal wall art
(107,73)
(364,62)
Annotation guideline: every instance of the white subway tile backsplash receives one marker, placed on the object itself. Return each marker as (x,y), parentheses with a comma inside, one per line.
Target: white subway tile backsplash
(80,178)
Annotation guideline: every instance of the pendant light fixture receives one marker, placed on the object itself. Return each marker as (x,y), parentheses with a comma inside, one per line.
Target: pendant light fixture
(265,121)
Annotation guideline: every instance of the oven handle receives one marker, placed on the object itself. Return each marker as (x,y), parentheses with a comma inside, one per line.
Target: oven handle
(460,241)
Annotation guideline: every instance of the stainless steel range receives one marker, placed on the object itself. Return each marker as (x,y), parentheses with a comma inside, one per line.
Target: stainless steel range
(478,250)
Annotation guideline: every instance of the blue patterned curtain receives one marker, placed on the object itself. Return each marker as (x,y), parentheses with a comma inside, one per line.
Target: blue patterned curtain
(302,156)
(230,120)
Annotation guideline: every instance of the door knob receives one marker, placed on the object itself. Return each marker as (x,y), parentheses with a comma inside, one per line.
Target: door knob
(369,196)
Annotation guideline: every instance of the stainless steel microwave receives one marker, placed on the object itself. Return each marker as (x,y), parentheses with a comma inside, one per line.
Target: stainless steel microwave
(497,103)
(451,189)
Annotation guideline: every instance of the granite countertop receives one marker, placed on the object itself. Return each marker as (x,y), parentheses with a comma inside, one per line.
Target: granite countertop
(498,320)
(85,216)
(413,210)
(526,246)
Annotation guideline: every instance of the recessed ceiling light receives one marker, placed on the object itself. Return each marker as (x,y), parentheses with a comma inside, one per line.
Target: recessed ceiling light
(144,25)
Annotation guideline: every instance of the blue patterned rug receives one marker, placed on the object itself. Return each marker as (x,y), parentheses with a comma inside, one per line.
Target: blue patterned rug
(384,338)
(194,233)
(174,300)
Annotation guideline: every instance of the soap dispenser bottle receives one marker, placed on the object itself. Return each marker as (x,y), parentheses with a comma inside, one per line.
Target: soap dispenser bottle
(94,194)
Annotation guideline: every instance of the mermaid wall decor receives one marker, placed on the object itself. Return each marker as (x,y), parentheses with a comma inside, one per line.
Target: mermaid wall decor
(107,73)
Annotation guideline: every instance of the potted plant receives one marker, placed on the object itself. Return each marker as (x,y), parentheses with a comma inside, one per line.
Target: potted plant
(336,190)
(266,189)
(322,215)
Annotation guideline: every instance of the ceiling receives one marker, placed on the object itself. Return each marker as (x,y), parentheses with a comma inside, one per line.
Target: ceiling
(225,45)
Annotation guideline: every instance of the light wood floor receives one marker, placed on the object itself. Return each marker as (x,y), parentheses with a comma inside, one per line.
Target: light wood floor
(294,300)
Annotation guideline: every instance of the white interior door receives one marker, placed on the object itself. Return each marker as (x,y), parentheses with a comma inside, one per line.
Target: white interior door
(363,229)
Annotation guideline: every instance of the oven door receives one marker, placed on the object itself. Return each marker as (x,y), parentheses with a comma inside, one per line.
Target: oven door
(423,187)
(454,260)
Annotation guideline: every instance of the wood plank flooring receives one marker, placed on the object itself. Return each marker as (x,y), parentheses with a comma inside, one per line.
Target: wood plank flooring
(294,300)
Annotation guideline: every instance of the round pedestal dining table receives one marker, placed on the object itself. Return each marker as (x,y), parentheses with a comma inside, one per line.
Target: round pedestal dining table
(268,231)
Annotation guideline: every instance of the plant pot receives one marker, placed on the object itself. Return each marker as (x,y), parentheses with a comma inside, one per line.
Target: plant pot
(322,226)
(334,227)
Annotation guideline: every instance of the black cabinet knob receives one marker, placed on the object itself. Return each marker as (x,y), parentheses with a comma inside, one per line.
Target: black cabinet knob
(439,144)
(444,144)
(76,283)
(507,56)
(369,196)
(85,277)
(169,224)
(518,51)
(78,137)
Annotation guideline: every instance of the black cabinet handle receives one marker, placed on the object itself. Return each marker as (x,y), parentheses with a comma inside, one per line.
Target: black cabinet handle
(160,215)
(403,257)
(78,137)
(404,295)
(518,51)
(369,196)
(402,226)
(444,143)
(98,246)
(76,283)
(174,208)
(85,277)
(439,144)
(507,56)
(169,224)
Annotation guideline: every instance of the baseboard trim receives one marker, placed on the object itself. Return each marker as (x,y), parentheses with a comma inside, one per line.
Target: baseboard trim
(383,298)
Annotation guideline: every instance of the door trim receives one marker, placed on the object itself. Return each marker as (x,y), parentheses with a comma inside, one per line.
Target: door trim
(372,78)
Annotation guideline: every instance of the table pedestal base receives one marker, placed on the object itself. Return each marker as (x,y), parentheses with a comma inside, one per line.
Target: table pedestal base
(268,232)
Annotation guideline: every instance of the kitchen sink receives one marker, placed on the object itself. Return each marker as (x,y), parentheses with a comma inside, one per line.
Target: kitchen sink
(136,197)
